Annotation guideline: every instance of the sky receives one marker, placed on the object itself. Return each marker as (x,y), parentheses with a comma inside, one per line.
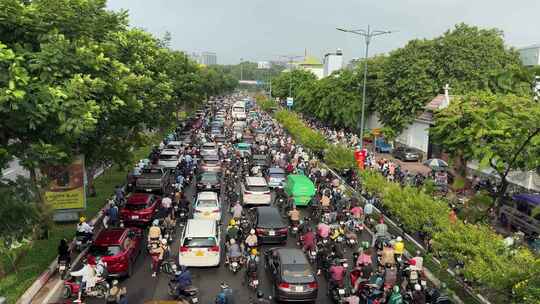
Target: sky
(263,30)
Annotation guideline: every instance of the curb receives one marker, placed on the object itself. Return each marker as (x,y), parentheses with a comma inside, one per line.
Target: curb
(46,275)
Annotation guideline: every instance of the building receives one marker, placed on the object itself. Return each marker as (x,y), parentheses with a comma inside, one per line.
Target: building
(195,57)
(530,55)
(332,62)
(208,58)
(313,65)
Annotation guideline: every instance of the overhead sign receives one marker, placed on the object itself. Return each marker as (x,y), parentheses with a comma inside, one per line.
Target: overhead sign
(67,186)
(290,101)
(263,65)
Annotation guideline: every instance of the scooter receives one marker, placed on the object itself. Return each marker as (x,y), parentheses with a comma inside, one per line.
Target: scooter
(72,287)
(253,280)
(190,294)
(63,268)
(234,265)
(82,240)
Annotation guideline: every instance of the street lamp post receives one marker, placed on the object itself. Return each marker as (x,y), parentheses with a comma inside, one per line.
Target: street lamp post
(367,36)
(241,69)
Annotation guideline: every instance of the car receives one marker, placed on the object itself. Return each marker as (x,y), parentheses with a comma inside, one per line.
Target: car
(154,179)
(207,206)
(169,158)
(276,177)
(176,144)
(216,131)
(261,160)
(118,248)
(199,244)
(140,208)
(208,180)
(209,149)
(269,225)
(407,154)
(255,191)
(381,146)
(292,276)
(220,139)
(211,163)
(260,134)
(243,148)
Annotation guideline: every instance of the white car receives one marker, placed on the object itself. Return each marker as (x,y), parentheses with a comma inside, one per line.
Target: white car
(207,206)
(199,245)
(169,158)
(255,191)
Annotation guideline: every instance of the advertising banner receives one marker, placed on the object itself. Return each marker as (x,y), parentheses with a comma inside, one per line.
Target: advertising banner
(67,186)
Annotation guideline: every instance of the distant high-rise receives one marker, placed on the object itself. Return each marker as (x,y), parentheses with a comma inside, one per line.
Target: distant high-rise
(333,62)
(208,58)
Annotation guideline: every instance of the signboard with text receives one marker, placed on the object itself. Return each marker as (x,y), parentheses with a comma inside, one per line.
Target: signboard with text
(67,186)
(290,101)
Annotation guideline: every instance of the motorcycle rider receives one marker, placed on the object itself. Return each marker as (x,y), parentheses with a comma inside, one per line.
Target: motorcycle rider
(261,299)
(157,251)
(237,211)
(233,252)
(84,229)
(323,230)
(399,247)
(64,254)
(154,233)
(251,240)
(337,275)
(182,280)
(418,295)
(251,264)
(294,215)
(309,240)
(89,278)
(233,232)
(395,296)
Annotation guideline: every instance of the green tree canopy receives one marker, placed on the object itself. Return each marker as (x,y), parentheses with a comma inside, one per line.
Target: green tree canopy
(294,80)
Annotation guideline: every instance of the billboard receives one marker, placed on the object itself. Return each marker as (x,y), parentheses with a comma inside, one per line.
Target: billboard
(67,186)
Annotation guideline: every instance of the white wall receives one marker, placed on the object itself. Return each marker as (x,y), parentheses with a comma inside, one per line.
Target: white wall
(373,122)
(332,62)
(530,56)
(317,71)
(415,136)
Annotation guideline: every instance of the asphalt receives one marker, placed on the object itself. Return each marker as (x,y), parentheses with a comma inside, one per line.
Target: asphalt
(141,286)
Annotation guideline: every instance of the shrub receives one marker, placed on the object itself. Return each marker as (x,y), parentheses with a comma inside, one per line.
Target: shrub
(339,157)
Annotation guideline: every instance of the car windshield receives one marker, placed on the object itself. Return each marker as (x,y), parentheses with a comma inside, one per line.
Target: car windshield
(152,173)
(297,273)
(208,177)
(238,109)
(96,250)
(277,175)
(207,203)
(136,207)
(211,161)
(257,188)
(168,157)
(199,242)
(270,220)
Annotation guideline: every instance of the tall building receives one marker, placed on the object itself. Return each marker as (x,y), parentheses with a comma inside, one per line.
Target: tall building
(332,62)
(530,55)
(208,58)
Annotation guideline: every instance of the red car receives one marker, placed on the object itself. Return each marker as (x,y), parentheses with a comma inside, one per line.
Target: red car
(140,208)
(119,248)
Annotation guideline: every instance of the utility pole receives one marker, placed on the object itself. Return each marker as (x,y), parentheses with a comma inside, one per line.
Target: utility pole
(368,35)
(241,69)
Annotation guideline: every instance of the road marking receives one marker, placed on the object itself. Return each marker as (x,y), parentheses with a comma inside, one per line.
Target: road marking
(53,291)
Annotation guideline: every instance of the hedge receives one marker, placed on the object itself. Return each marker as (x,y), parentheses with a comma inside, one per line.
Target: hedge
(498,271)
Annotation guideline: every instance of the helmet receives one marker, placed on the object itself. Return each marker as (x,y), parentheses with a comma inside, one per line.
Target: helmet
(396,288)
(417,287)
(115,282)
(232,241)
(82,219)
(223,285)
(399,239)
(232,222)
(252,231)
(155,222)
(254,251)
(260,294)
(164,241)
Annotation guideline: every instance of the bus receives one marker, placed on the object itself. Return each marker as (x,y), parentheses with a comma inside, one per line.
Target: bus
(239,110)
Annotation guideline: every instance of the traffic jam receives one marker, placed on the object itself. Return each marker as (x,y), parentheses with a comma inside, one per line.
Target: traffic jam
(229,209)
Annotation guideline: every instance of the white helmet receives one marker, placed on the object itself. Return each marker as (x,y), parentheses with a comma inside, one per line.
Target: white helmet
(252,231)
(164,241)
(399,239)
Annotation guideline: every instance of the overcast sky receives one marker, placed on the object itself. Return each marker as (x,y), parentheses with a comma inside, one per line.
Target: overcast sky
(264,29)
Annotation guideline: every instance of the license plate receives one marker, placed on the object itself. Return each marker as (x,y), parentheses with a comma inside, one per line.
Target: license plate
(199,253)
(79,242)
(195,300)
(206,213)
(299,288)
(134,217)
(313,253)
(62,267)
(341,291)
(148,190)
(271,233)
(234,264)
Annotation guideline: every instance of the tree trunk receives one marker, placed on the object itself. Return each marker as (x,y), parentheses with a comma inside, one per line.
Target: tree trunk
(501,191)
(91,189)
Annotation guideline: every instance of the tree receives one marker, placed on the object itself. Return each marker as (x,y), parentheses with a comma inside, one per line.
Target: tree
(294,80)
(500,131)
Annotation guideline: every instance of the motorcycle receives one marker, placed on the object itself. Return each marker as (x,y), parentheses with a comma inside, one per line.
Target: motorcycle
(189,294)
(82,241)
(63,268)
(253,280)
(72,287)
(294,227)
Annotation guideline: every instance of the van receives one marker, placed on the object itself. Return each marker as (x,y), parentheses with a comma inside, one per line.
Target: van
(200,244)
(239,110)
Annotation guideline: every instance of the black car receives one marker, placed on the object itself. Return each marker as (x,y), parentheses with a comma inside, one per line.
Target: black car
(407,154)
(260,160)
(294,280)
(207,180)
(269,225)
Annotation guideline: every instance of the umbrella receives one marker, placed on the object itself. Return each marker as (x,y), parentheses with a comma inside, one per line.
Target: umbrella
(435,163)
